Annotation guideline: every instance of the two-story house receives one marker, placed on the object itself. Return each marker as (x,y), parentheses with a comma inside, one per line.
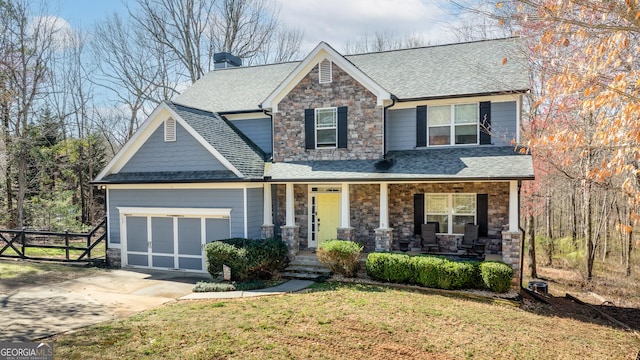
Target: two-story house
(360,147)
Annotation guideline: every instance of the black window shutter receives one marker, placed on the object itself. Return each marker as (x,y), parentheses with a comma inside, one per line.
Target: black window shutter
(485,122)
(418,213)
(342,127)
(309,129)
(421,126)
(482,213)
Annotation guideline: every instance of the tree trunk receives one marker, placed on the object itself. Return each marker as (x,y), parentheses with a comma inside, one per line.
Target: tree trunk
(574,220)
(588,233)
(531,229)
(549,249)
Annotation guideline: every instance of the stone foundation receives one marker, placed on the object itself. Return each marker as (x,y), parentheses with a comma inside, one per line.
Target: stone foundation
(290,237)
(511,250)
(267,231)
(383,239)
(346,234)
(114,259)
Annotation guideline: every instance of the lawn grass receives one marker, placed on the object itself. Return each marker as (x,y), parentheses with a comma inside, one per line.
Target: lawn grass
(19,273)
(48,253)
(336,321)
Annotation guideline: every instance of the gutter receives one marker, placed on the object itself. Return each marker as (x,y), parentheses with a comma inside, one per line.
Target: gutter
(457,96)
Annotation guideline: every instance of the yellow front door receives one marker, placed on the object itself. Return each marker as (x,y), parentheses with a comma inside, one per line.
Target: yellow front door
(327,216)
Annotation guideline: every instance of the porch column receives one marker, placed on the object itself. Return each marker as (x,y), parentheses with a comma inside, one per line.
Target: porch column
(267,230)
(513,206)
(289,231)
(384,234)
(511,236)
(345,231)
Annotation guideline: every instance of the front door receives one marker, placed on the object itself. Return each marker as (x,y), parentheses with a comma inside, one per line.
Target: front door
(325,217)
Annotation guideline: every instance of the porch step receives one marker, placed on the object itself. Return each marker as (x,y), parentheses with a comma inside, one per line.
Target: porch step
(306,267)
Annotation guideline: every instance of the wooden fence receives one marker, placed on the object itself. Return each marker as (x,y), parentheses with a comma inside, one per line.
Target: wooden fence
(54,246)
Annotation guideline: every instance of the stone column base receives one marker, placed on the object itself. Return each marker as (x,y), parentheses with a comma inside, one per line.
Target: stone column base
(346,234)
(511,250)
(383,239)
(267,231)
(114,259)
(291,238)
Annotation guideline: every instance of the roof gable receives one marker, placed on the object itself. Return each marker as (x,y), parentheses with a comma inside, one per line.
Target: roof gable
(321,52)
(204,127)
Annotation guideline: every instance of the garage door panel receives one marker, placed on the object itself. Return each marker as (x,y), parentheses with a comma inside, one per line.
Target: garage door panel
(190,263)
(163,261)
(137,235)
(217,229)
(190,236)
(162,235)
(138,260)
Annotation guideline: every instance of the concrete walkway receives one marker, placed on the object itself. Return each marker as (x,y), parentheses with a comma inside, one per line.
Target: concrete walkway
(287,287)
(35,312)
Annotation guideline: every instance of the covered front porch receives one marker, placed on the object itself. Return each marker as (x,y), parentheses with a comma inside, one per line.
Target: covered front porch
(386,216)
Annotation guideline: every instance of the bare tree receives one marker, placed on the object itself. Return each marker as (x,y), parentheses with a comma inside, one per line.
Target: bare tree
(27,44)
(382,41)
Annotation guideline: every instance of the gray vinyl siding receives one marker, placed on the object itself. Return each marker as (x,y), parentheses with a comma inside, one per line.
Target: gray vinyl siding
(184,154)
(255,210)
(258,130)
(503,122)
(401,129)
(177,198)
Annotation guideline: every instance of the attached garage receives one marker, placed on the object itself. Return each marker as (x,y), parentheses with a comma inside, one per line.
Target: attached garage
(170,238)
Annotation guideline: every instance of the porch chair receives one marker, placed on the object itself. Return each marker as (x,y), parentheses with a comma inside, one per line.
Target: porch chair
(428,238)
(471,241)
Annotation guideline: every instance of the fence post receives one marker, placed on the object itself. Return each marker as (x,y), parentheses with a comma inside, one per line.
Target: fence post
(88,246)
(22,241)
(66,243)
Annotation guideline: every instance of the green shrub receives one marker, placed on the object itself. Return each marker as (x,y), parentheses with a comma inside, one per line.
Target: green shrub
(343,256)
(390,267)
(220,253)
(248,259)
(428,271)
(496,275)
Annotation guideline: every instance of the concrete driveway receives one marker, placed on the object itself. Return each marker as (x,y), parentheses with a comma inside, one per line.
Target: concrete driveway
(34,312)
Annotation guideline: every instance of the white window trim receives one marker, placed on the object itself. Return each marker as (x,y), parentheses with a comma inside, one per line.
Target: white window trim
(449,212)
(328,78)
(452,125)
(315,125)
(170,130)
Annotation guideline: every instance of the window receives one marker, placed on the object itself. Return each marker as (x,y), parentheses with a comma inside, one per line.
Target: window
(451,211)
(326,127)
(452,124)
(169,130)
(325,71)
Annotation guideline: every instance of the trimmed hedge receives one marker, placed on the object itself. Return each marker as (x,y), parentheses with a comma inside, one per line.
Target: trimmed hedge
(438,272)
(248,259)
(343,256)
(496,275)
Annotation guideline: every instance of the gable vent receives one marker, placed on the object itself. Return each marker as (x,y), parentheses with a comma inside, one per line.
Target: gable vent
(169,130)
(325,71)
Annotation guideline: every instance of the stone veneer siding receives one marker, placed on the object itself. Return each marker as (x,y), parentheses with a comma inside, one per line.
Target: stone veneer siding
(301,208)
(364,119)
(365,213)
(401,204)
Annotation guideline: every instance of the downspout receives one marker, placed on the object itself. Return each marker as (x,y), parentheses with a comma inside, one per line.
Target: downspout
(270,115)
(522,233)
(384,126)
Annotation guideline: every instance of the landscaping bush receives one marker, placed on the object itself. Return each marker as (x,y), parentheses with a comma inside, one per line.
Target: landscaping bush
(221,253)
(496,275)
(248,259)
(343,256)
(436,272)
(390,267)
(212,286)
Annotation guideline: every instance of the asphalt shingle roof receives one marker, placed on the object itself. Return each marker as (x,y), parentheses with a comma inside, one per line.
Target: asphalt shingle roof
(473,68)
(168,176)
(464,163)
(226,138)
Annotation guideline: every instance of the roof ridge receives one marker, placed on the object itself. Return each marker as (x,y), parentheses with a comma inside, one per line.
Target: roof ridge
(434,46)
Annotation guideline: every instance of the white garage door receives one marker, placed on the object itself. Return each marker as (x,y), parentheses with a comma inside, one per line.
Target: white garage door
(170,238)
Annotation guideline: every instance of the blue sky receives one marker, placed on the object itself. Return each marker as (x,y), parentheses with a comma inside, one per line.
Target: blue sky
(333,21)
